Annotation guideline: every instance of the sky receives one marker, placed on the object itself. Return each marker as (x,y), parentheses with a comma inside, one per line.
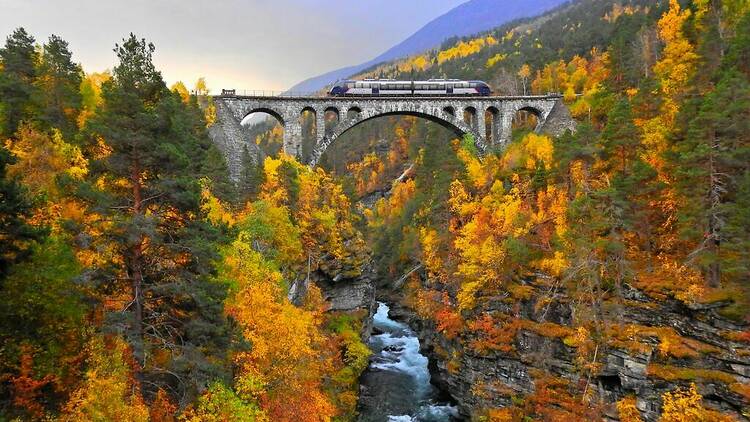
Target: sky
(240,44)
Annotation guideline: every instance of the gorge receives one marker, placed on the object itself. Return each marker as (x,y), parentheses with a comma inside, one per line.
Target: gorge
(382,259)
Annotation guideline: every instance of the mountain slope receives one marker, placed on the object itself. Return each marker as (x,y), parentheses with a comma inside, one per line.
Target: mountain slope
(469,18)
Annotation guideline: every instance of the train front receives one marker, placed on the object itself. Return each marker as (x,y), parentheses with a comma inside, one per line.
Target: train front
(338,89)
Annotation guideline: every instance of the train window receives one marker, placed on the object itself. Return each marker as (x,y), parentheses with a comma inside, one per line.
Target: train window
(434,86)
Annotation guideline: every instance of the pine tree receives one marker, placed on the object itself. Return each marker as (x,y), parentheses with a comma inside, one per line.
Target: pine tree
(737,232)
(631,179)
(711,153)
(58,83)
(251,178)
(148,188)
(216,170)
(572,148)
(620,138)
(17,75)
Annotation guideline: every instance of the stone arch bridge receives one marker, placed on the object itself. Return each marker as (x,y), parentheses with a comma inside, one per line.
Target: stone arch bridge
(488,119)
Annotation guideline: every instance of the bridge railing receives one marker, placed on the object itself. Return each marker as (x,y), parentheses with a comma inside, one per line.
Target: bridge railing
(319,94)
(267,93)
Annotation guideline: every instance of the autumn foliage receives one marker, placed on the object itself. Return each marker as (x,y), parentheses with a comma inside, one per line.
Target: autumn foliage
(140,283)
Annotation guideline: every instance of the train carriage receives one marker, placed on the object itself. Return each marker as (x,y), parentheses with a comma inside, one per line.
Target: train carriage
(391,87)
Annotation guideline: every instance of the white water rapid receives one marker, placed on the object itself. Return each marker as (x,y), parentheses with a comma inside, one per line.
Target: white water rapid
(397,385)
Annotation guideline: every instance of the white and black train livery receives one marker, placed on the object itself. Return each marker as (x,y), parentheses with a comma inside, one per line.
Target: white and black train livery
(392,87)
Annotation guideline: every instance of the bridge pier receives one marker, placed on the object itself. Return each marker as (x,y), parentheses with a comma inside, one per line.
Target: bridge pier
(292,143)
(320,125)
(505,131)
(481,124)
(552,115)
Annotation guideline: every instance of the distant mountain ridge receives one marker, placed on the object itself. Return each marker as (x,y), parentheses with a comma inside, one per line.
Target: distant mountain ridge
(468,18)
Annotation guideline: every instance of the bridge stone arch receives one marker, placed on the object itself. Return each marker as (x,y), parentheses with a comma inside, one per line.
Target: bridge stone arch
(271,112)
(451,123)
(553,117)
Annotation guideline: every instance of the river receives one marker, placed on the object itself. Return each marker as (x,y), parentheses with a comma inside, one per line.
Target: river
(396,387)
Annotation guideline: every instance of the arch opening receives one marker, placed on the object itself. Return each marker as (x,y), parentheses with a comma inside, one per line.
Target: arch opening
(491,124)
(353,113)
(449,111)
(380,149)
(470,117)
(256,115)
(331,118)
(525,120)
(265,128)
(309,130)
(457,130)
(442,122)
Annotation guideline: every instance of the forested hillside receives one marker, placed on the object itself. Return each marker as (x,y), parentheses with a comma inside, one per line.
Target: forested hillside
(608,265)
(129,292)
(467,18)
(600,274)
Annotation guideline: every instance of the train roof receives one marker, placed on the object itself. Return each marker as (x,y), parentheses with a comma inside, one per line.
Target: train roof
(407,81)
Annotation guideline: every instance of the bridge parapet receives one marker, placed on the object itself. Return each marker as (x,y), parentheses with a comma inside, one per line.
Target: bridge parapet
(462,115)
(264,93)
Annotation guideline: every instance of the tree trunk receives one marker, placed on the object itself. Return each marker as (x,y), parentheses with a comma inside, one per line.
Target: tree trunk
(713,273)
(136,271)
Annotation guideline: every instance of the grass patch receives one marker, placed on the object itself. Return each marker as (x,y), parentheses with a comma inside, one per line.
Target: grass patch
(677,373)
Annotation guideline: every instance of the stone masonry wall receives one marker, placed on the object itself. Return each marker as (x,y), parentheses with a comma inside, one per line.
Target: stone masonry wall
(447,111)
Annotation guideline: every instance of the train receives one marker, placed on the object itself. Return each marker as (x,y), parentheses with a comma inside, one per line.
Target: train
(392,87)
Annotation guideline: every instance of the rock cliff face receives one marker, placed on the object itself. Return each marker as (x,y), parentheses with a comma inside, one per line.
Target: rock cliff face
(342,290)
(350,295)
(718,365)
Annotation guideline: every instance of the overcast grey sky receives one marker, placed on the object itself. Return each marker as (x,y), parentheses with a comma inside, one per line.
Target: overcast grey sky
(242,44)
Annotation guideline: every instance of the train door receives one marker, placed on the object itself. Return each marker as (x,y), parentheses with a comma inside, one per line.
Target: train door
(375,89)
(449,89)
